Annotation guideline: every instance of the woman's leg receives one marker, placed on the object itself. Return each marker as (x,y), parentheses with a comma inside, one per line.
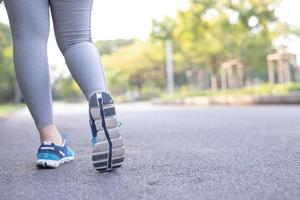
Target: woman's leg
(29,21)
(72,25)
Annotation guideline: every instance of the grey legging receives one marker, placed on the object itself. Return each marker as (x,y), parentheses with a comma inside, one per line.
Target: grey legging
(30,21)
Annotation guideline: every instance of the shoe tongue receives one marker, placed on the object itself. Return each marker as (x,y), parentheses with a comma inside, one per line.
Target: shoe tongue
(48,142)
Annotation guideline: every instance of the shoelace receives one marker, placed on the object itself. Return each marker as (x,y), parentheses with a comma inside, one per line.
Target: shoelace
(67,138)
(94,139)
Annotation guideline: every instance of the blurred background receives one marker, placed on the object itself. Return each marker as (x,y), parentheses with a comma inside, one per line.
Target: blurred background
(173,49)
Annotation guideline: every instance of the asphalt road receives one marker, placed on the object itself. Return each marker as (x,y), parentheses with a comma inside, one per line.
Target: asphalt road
(172,153)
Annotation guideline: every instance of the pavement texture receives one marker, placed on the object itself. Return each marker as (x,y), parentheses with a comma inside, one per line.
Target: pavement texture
(171,153)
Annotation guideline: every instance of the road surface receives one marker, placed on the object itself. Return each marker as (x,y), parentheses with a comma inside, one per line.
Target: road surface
(172,153)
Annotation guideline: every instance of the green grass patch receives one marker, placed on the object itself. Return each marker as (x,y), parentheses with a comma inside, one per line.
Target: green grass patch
(7,108)
(265,89)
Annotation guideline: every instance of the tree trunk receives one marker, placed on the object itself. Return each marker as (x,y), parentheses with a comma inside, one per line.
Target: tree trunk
(214,76)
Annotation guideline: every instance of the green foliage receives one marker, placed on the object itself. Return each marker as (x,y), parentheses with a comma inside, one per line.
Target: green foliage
(264,89)
(108,47)
(273,89)
(211,32)
(66,88)
(8,108)
(163,30)
(134,67)
(7,75)
(149,92)
(257,19)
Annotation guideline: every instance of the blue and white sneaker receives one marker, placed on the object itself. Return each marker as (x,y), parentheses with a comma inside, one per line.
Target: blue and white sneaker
(108,148)
(50,155)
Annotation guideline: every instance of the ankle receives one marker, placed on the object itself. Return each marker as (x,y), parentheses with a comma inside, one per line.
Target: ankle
(50,133)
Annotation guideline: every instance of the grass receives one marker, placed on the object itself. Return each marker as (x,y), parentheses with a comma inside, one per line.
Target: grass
(7,108)
(265,89)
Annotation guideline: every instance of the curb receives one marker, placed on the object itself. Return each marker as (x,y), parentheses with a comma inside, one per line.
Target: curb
(232,100)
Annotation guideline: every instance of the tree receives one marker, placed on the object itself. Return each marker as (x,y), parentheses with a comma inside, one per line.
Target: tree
(259,25)
(213,31)
(135,66)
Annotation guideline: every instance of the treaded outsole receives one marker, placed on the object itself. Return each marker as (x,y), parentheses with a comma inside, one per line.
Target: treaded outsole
(108,151)
(49,164)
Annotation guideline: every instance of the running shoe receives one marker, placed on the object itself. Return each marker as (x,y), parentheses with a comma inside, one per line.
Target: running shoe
(108,148)
(51,155)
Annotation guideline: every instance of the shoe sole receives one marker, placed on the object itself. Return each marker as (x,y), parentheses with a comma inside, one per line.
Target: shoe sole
(108,151)
(44,163)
